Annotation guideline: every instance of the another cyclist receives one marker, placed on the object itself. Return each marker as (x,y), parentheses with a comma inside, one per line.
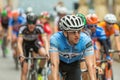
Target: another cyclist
(4,23)
(28,38)
(97,34)
(61,11)
(67,47)
(15,23)
(110,26)
(44,21)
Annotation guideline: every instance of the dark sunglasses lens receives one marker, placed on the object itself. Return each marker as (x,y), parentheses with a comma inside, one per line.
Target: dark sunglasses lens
(91,26)
(31,23)
(110,23)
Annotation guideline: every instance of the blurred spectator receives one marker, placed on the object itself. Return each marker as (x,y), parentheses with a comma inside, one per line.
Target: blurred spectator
(61,11)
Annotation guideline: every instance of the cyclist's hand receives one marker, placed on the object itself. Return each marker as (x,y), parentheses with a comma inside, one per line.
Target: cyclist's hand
(47,55)
(21,58)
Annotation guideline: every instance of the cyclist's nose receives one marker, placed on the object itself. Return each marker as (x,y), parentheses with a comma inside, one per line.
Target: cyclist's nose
(77,33)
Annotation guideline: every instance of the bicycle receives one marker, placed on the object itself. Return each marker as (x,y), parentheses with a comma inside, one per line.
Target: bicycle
(33,67)
(106,65)
(100,70)
(106,69)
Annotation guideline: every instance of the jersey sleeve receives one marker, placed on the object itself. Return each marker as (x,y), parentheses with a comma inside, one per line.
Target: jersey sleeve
(21,31)
(88,47)
(39,27)
(53,45)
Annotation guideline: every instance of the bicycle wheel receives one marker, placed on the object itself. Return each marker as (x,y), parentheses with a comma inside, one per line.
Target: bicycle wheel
(32,76)
(29,75)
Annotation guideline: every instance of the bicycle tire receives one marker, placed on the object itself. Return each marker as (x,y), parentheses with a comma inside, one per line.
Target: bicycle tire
(32,76)
(29,75)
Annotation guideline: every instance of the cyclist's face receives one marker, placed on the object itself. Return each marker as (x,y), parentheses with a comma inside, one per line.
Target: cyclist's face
(31,27)
(92,27)
(43,20)
(73,37)
(110,25)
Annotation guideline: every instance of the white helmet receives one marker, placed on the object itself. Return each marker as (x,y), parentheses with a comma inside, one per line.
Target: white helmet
(110,18)
(29,10)
(71,22)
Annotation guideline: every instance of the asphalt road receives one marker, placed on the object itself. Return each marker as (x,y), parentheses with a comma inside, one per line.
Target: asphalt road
(8,72)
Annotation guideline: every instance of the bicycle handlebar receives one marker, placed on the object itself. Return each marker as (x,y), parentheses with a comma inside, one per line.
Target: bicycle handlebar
(111,51)
(35,58)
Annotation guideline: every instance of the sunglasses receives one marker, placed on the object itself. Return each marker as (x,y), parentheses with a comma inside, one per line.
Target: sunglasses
(74,32)
(91,26)
(31,23)
(110,23)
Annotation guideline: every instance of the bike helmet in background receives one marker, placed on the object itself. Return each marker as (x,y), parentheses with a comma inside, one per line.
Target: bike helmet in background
(4,13)
(110,18)
(44,14)
(71,22)
(31,18)
(15,13)
(81,16)
(29,10)
(61,10)
(92,19)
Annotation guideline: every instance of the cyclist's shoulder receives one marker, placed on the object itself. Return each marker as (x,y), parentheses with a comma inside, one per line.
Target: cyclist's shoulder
(102,24)
(39,28)
(23,27)
(84,35)
(84,38)
(99,29)
(116,26)
(57,36)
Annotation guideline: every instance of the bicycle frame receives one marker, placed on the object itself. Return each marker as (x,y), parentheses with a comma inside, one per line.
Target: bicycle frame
(32,73)
(108,73)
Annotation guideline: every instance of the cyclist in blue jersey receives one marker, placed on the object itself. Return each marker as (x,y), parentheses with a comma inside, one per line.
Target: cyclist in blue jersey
(97,34)
(67,47)
(15,22)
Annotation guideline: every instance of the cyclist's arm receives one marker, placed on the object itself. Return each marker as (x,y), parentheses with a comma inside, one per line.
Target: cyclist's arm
(90,59)
(10,28)
(91,67)
(117,42)
(54,58)
(117,36)
(19,43)
(44,38)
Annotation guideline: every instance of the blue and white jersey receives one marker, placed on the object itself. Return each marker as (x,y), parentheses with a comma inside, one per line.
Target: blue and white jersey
(67,52)
(99,33)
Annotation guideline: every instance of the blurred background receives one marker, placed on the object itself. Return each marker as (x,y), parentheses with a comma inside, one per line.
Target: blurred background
(100,7)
